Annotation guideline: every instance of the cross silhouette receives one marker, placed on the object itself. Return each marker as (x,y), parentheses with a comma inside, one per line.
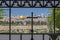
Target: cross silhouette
(32,25)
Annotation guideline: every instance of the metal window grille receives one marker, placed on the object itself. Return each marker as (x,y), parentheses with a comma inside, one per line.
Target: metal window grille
(30,4)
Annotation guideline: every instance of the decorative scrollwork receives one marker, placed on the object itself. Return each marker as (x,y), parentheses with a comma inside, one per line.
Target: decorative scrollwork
(49,4)
(4,3)
(57,3)
(0,3)
(37,3)
(24,3)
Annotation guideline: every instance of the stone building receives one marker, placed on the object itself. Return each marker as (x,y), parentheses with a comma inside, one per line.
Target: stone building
(38,18)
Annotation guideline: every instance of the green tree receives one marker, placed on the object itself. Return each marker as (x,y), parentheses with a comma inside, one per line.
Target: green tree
(57,20)
(1,13)
(50,20)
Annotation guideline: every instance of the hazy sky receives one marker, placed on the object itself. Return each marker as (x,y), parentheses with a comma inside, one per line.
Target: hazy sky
(27,11)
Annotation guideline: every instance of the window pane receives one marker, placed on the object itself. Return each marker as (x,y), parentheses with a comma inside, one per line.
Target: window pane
(19,20)
(46,37)
(43,20)
(15,37)
(4,20)
(4,37)
(26,37)
(37,37)
(58,37)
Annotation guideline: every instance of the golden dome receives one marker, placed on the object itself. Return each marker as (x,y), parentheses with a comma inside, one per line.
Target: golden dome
(21,17)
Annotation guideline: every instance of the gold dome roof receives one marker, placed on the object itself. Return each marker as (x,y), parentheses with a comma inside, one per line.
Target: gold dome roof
(21,17)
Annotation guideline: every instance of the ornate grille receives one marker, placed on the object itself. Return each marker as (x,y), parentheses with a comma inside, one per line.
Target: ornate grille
(30,4)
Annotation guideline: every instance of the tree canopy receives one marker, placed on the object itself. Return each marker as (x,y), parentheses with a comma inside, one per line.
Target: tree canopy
(1,13)
(57,17)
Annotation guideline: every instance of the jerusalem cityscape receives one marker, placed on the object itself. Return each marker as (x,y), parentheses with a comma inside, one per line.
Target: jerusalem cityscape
(21,21)
(24,23)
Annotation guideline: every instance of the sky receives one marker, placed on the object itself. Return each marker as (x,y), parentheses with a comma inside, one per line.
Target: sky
(27,11)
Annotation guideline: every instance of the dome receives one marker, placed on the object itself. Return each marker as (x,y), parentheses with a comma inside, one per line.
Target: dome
(21,17)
